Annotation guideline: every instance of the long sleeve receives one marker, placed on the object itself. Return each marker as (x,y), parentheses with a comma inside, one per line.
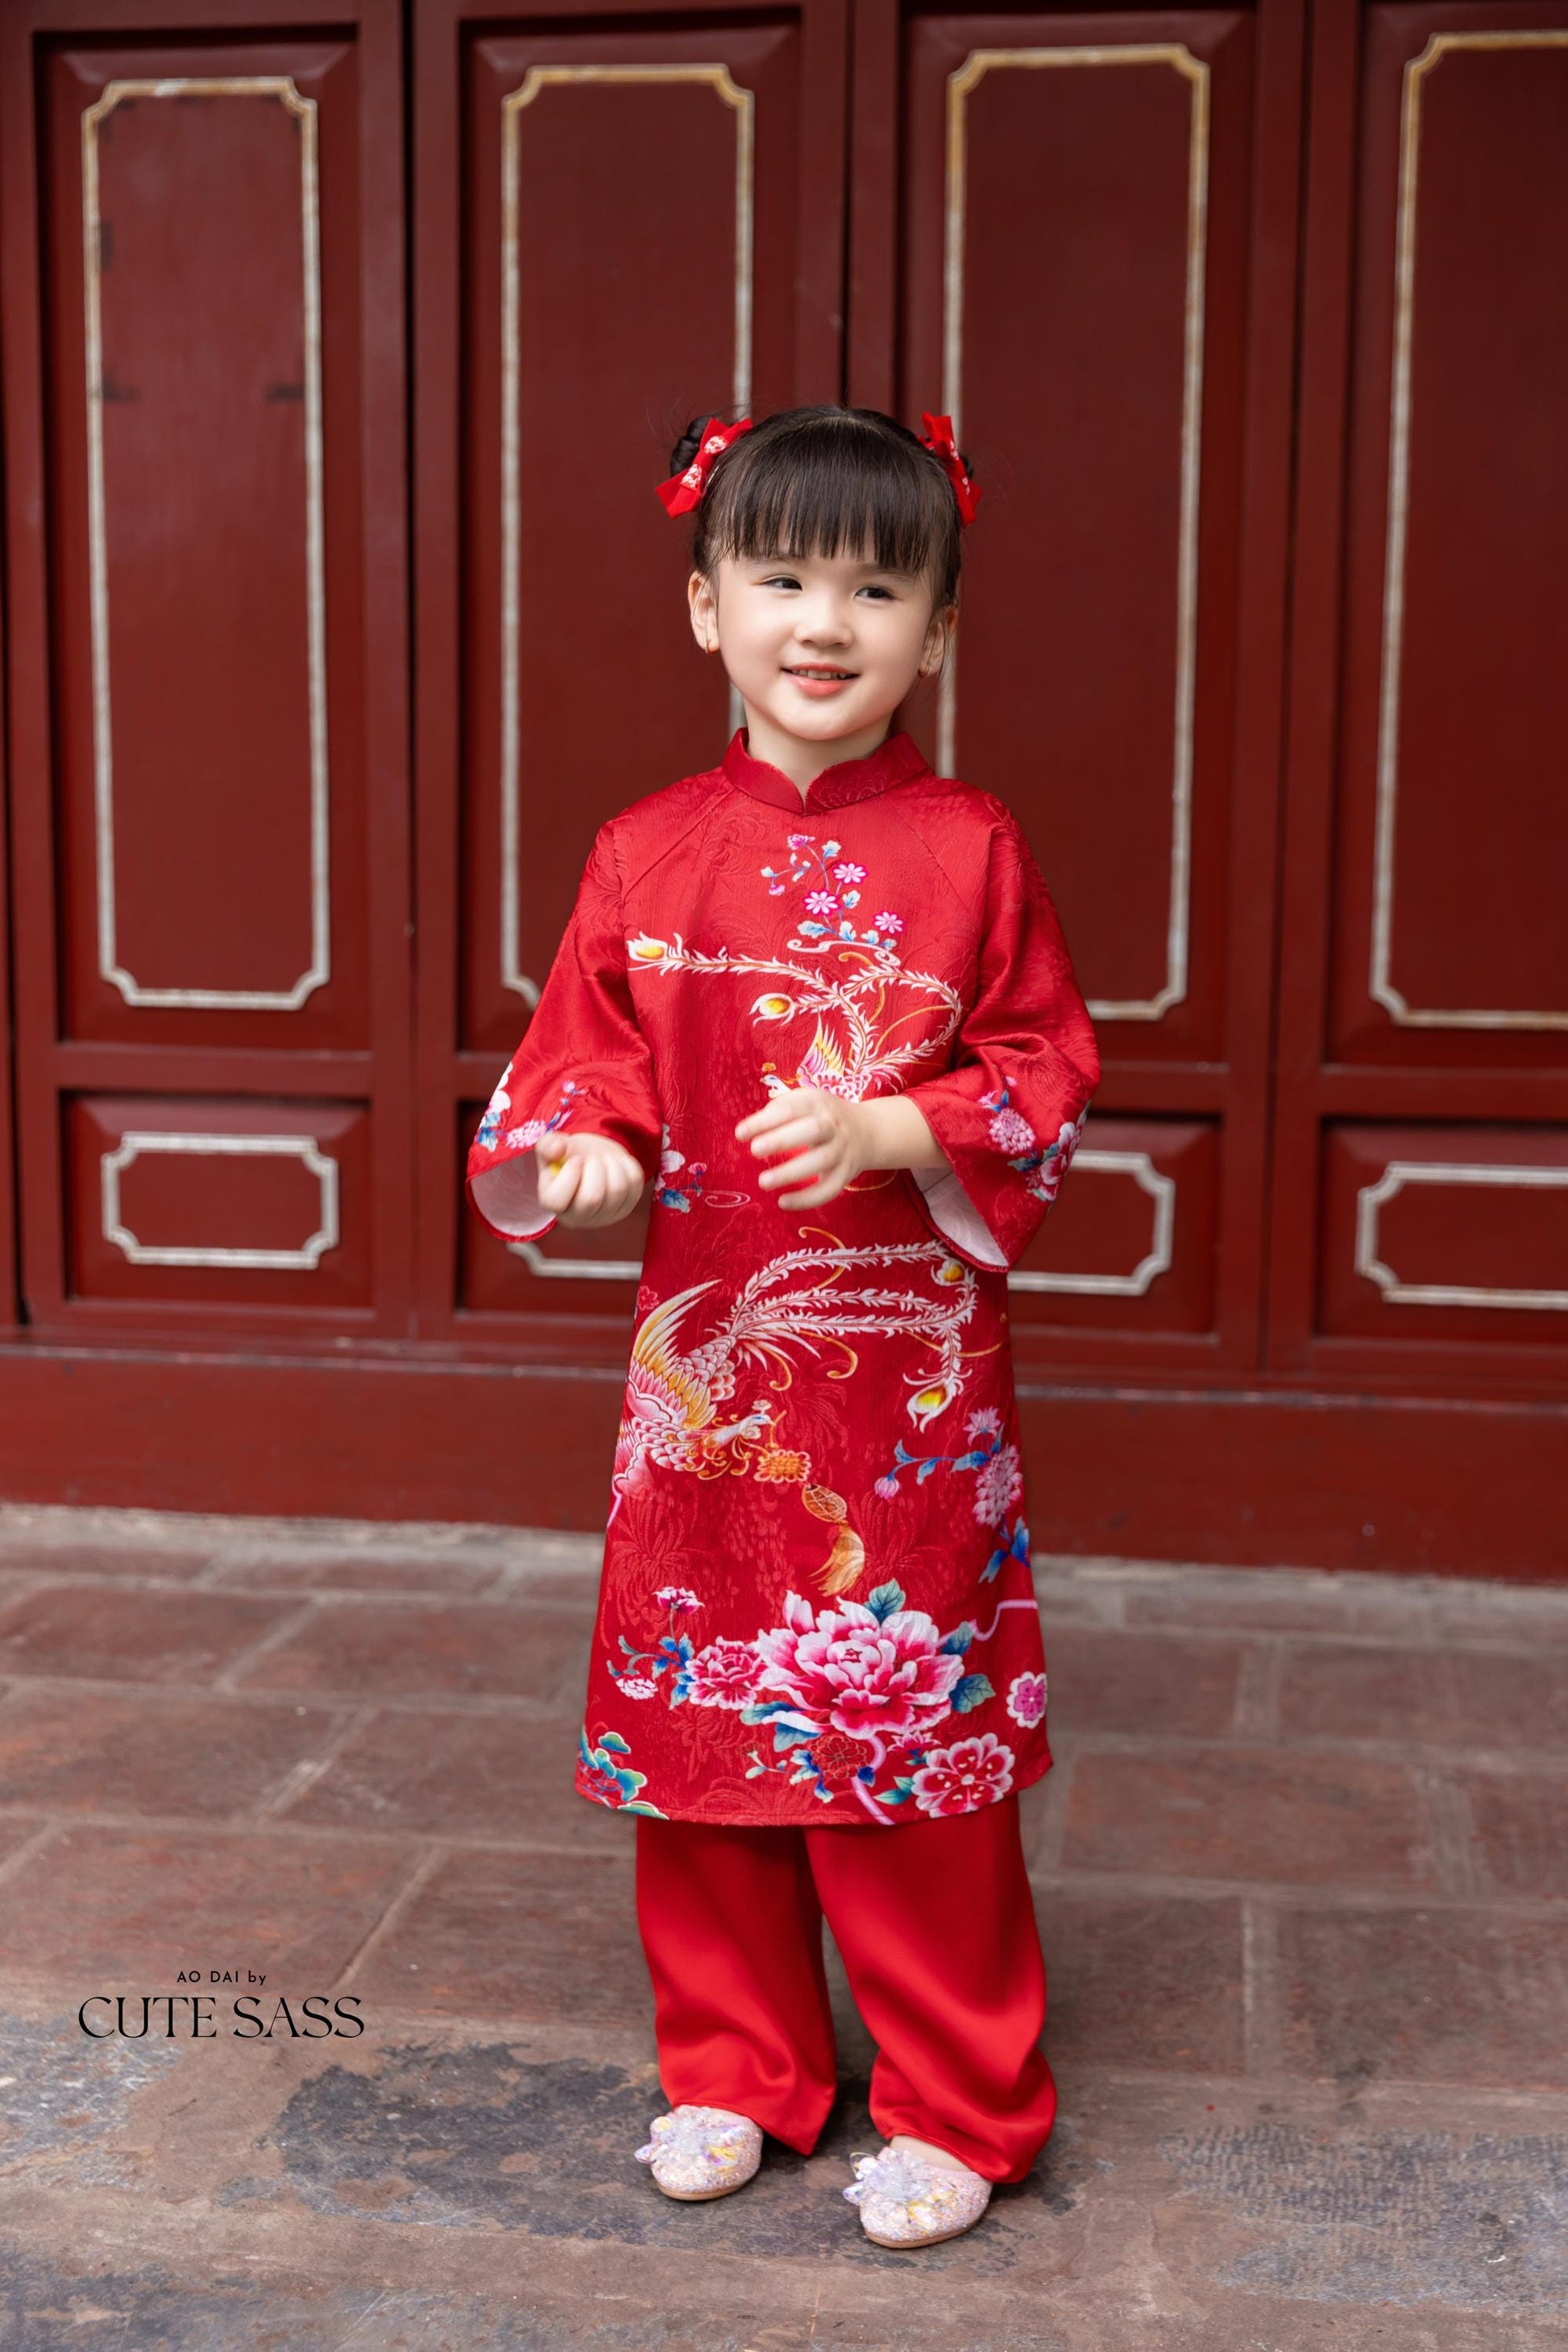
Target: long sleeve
(1009,1113)
(584,1065)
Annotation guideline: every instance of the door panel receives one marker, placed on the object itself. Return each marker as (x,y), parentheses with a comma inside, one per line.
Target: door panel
(203,392)
(209,766)
(639,216)
(1421,1199)
(1448,939)
(1088,202)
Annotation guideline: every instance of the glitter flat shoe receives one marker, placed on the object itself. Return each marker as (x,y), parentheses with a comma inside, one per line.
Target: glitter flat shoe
(906,2201)
(700,2152)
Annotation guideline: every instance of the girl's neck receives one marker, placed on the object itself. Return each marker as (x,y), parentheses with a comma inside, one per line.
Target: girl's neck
(802,760)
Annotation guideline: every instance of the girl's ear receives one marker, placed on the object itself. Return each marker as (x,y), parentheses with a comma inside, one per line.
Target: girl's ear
(938,637)
(704,611)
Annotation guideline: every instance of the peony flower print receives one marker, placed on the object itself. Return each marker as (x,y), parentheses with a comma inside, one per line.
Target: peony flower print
(866,1675)
(723,1674)
(963,1778)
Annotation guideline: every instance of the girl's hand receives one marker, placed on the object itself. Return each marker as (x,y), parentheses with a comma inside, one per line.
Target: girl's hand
(826,1135)
(586,1180)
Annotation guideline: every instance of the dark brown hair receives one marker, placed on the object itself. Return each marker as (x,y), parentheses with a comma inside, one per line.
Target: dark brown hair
(826,482)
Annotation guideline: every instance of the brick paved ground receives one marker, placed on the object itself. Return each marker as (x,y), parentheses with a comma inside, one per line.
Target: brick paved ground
(1302,1872)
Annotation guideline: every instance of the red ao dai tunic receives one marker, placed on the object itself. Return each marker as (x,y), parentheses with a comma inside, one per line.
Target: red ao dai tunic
(816,1602)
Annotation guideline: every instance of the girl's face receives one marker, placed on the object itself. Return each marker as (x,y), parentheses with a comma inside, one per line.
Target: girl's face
(819,647)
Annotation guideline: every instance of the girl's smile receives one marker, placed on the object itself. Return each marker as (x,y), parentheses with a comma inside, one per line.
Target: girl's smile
(819,682)
(823,649)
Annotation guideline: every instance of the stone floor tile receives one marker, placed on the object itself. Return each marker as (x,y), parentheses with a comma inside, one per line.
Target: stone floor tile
(1514,1614)
(1467,1699)
(1142,1981)
(490,1776)
(1246,1814)
(111,1908)
(147,1751)
(343,1571)
(473,1649)
(1430,1995)
(112,1633)
(162,1563)
(14,1831)
(529,1938)
(1521,1831)
(1280,1603)
(1102,1680)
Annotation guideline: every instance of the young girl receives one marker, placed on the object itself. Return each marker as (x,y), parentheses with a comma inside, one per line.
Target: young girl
(819,998)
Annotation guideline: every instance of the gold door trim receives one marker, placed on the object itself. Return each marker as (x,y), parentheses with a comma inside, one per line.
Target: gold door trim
(1405,1015)
(139,1143)
(537,80)
(282,87)
(1398,1173)
(1157,1259)
(1195,73)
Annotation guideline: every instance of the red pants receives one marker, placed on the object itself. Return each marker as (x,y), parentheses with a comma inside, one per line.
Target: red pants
(936,1927)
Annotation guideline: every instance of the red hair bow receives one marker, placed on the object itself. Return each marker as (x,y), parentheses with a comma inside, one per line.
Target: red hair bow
(683,492)
(939,440)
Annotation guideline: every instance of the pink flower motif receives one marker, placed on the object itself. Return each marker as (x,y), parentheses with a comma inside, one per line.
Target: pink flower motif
(886,922)
(1011,1133)
(986,1423)
(527,1130)
(997,1487)
(963,1778)
(863,1675)
(848,873)
(723,1674)
(888,1489)
(1047,1180)
(678,1597)
(821,902)
(637,1686)
(1027,1700)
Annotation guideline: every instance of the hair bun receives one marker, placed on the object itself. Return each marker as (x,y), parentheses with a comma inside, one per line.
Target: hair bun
(690,443)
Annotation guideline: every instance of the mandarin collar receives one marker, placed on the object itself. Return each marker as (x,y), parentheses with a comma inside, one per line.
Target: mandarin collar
(895,760)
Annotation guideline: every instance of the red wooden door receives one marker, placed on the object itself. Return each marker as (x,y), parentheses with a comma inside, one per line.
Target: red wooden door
(205,401)
(622,224)
(1421,1192)
(1089,206)
(1259,638)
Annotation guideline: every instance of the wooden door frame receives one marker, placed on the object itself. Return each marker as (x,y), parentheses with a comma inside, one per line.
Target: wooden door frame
(1238,1091)
(45,1064)
(1309,1087)
(448,1074)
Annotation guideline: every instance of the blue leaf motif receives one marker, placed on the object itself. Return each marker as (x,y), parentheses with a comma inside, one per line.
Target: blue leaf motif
(972,1692)
(960,1638)
(886,1601)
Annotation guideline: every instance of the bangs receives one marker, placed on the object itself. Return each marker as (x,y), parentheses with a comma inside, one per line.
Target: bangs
(832,482)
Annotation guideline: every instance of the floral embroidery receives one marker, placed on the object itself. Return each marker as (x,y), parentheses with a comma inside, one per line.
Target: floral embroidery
(1016,1546)
(671,1654)
(491,1131)
(876,1675)
(999,1477)
(723,1674)
(1042,1166)
(602,1776)
(853,1050)
(1027,1700)
(963,1778)
(668,1194)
